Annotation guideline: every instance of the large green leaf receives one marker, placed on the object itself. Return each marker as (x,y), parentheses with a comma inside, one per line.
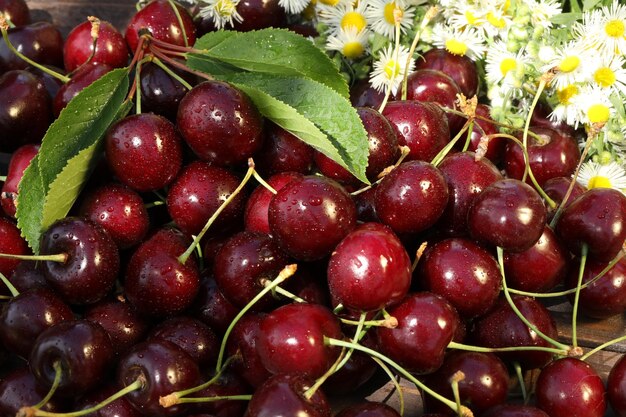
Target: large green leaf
(54,178)
(274,51)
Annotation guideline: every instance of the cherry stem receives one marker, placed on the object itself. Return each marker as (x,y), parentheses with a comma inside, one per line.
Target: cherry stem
(454,383)
(246,397)
(519,314)
(177,48)
(196,241)
(138,85)
(602,346)
(466,412)
(171,73)
(283,275)
(138,384)
(264,183)
(95,29)
(470,348)
(418,255)
(470,129)
(14,292)
(180,21)
(3,178)
(542,85)
(59,257)
(394,381)
(285,293)
(389,323)
(159,54)
(520,379)
(404,152)
(446,149)
(55,384)
(430,14)
(154,204)
(581,271)
(137,57)
(3,28)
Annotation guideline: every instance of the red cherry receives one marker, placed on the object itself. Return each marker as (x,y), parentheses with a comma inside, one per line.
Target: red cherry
(110,46)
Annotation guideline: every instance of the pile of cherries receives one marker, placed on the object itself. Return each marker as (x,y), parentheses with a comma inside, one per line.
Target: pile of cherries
(309,283)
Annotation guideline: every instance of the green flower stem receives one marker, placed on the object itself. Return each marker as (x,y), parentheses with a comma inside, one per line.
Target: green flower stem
(602,346)
(470,348)
(581,272)
(138,86)
(14,292)
(60,257)
(519,314)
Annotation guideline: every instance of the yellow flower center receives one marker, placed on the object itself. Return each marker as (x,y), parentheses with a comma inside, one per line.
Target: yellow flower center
(604,76)
(388,12)
(496,21)
(353,50)
(355,20)
(329,2)
(507,64)
(569,63)
(225,8)
(565,94)
(456,47)
(599,182)
(506,6)
(471,17)
(598,113)
(392,69)
(615,28)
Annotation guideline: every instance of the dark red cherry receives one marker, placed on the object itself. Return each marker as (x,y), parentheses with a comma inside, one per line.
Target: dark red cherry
(501,327)
(260,14)
(165,368)
(92,264)
(463,273)
(220,123)
(485,383)
(554,154)
(466,178)
(421,126)
(110,47)
(556,188)
(229,383)
(371,256)
(11,242)
(616,387)
(514,410)
(368,409)
(541,118)
(482,127)
(25,110)
(282,152)
(198,192)
(81,348)
(41,41)
(20,159)
(412,197)
(28,275)
(509,214)
(120,211)
(459,67)
(309,217)
(596,219)
(211,307)
(283,395)
(162,22)
(156,283)
(569,387)
(541,267)
(52,83)
(160,92)
(242,346)
(121,407)
(84,77)
(16,12)
(19,388)
(362,94)
(426,324)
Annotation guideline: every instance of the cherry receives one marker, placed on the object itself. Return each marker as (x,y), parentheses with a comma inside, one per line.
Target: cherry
(426,324)
(282,152)
(485,383)
(51,82)
(496,145)
(20,159)
(162,22)
(463,273)
(211,307)
(120,211)
(509,214)
(25,111)
(308,217)
(160,92)
(144,151)
(81,348)
(283,395)
(368,409)
(466,178)
(259,14)
(156,282)
(291,340)
(365,205)
(11,242)
(541,267)
(359,370)
(606,297)
(198,192)
(421,126)
(82,78)
(459,67)
(15,11)
(553,155)
(110,47)
(362,94)
(541,118)
(514,410)
(220,123)
(121,407)
(28,275)
(121,321)
(616,387)
(242,346)
(412,197)
(163,368)
(556,188)
(569,387)
(41,41)
(241,265)
(27,315)
(501,327)
(371,256)
(19,388)
(229,383)
(596,219)
(92,260)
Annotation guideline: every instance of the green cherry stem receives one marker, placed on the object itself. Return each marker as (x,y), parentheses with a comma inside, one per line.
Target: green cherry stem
(466,412)
(264,183)
(470,348)
(154,204)
(542,84)
(602,346)
(159,54)
(581,271)
(14,292)
(171,73)
(446,149)
(59,257)
(520,378)
(519,314)
(138,86)
(394,381)
(246,397)
(180,21)
(3,178)
(55,384)
(287,294)
(454,383)
(404,152)
(470,130)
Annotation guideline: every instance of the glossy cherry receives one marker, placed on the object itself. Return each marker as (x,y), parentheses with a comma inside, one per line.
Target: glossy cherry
(283,152)
(15,11)
(20,159)
(260,14)
(11,242)
(242,346)
(82,78)
(110,47)
(40,41)
(362,94)
(160,92)
(256,213)
(556,188)
(229,383)
(616,387)
(482,127)
(19,388)
(211,307)
(459,67)
(118,408)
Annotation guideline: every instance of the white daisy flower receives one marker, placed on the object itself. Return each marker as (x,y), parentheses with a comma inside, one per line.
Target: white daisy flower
(351,43)
(388,71)
(380,14)
(595,105)
(459,42)
(606,29)
(595,175)
(467,15)
(542,12)
(611,74)
(571,64)
(294,6)
(498,22)
(504,66)
(567,109)
(222,12)
(343,16)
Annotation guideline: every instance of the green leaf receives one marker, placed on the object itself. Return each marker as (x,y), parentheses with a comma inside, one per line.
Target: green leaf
(275,51)
(566,19)
(332,115)
(212,39)
(65,154)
